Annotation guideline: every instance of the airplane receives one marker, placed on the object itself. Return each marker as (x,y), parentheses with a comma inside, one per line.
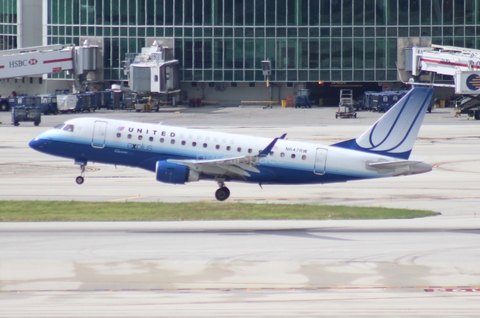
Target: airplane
(178,155)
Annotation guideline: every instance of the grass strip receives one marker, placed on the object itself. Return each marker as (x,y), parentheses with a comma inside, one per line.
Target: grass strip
(36,211)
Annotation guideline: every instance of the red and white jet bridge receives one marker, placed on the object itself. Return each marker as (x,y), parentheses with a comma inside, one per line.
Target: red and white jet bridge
(49,59)
(461,63)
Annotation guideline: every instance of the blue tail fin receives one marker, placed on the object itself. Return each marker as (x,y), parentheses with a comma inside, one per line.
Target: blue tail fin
(395,132)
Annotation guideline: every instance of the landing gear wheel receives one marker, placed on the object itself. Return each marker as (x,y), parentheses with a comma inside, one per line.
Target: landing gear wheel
(79,180)
(222,194)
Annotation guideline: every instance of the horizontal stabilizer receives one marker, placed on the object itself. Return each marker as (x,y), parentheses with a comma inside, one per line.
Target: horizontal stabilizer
(401,167)
(394,163)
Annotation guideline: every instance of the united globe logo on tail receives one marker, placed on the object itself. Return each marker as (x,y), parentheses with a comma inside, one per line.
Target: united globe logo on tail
(394,133)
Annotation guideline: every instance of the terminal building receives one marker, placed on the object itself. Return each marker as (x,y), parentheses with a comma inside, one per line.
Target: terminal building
(220,44)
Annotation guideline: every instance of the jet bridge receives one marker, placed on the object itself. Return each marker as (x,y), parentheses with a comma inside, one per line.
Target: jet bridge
(154,70)
(50,59)
(460,63)
(463,64)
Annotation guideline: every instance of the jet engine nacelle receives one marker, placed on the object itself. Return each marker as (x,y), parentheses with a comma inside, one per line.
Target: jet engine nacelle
(174,173)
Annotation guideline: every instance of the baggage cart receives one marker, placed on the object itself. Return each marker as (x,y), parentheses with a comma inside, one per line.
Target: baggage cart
(26,113)
(49,104)
(303,99)
(67,103)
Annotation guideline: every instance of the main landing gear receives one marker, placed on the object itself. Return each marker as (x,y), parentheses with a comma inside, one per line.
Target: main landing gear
(223,192)
(80,179)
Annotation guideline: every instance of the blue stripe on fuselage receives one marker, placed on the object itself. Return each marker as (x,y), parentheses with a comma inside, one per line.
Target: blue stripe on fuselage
(274,174)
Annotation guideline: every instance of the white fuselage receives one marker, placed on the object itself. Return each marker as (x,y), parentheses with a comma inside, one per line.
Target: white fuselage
(141,145)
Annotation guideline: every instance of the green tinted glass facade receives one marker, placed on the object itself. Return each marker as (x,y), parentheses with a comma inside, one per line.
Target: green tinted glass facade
(306,40)
(8,24)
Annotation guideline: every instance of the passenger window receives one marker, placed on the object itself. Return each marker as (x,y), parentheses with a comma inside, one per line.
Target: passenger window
(119,135)
(150,138)
(140,137)
(293,156)
(250,150)
(228,148)
(282,154)
(205,145)
(162,140)
(239,149)
(129,136)
(217,147)
(194,144)
(304,157)
(183,142)
(172,141)
(271,153)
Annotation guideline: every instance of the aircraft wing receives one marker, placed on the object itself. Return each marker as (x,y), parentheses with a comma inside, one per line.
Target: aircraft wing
(401,167)
(236,167)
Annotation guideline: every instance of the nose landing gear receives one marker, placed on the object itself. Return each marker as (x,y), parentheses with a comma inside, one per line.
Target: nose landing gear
(80,179)
(223,192)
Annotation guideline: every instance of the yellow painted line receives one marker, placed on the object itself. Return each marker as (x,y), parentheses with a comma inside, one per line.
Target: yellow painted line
(126,199)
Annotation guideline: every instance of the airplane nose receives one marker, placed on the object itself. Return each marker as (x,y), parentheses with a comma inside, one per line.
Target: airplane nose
(36,143)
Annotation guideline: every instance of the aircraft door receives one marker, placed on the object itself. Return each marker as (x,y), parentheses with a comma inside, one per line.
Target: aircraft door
(99,133)
(320,161)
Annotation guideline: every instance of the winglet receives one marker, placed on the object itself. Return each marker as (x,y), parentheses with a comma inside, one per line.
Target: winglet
(269,148)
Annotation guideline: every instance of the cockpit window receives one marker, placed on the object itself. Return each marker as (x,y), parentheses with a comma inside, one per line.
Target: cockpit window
(68,128)
(59,126)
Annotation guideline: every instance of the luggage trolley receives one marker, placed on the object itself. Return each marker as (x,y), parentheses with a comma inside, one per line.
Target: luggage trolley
(345,107)
(26,113)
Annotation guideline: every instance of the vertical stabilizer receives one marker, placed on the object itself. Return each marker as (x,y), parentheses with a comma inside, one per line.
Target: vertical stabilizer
(394,134)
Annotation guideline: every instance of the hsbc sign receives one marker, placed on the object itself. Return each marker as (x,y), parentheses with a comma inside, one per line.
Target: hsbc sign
(21,63)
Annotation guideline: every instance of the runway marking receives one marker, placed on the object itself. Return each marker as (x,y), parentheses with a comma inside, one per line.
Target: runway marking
(441,165)
(270,199)
(452,290)
(434,289)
